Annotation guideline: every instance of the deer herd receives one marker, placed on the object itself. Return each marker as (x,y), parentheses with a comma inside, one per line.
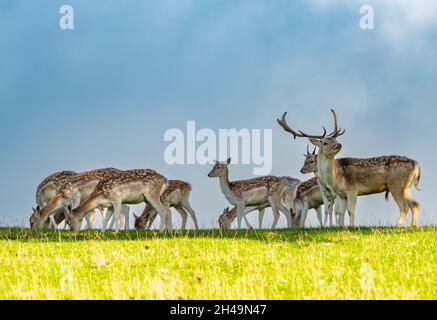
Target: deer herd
(337,183)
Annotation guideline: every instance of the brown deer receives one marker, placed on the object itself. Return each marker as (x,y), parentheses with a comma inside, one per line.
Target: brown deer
(177,196)
(76,189)
(353,177)
(127,187)
(252,192)
(45,192)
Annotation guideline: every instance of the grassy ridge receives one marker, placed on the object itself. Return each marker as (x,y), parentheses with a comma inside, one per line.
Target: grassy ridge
(361,263)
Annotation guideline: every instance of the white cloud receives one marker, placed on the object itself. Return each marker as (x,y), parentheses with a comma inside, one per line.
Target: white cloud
(398,21)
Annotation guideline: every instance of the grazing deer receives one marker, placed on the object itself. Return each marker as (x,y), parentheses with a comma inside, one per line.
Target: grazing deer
(308,196)
(251,193)
(228,216)
(177,196)
(328,195)
(290,188)
(76,189)
(126,187)
(45,192)
(353,177)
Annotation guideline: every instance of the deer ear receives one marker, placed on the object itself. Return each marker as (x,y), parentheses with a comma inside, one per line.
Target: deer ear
(228,161)
(316,142)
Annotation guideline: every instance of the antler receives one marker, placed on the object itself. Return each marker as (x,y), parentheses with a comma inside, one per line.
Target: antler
(283,123)
(311,153)
(337,132)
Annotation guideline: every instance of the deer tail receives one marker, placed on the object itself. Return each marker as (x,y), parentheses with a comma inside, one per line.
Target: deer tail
(163,188)
(416,176)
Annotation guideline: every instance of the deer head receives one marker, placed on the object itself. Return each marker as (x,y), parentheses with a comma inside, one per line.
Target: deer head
(327,143)
(139,222)
(219,169)
(310,164)
(74,221)
(224,220)
(35,217)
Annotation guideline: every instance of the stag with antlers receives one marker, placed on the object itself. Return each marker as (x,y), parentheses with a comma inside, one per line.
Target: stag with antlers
(353,177)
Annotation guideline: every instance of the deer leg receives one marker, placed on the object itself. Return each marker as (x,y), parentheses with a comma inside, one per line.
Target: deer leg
(351,204)
(402,204)
(342,211)
(287,213)
(187,206)
(414,207)
(108,215)
(117,215)
(319,215)
(90,219)
(260,217)
(274,204)
(151,217)
(333,208)
(328,214)
(184,216)
(240,213)
(326,208)
(126,211)
(52,222)
(303,215)
(248,225)
(163,211)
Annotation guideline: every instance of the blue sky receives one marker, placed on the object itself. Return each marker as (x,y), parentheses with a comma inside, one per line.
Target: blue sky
(104,93)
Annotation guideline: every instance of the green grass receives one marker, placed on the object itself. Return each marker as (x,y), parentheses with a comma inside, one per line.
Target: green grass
(361,263)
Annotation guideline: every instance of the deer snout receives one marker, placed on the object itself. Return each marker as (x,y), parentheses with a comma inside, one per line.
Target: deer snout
(338,146)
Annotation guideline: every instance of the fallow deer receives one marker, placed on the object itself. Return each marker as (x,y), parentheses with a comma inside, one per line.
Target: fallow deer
(252,192)
(228,216)
(308,196)
(126,187)
(290,188)
(76,189)
(177,196)
(353,177)
(45,192)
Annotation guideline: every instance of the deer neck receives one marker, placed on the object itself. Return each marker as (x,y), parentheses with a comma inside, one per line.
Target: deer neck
(86,207)
(55,204)
(327,168)
(225,185)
